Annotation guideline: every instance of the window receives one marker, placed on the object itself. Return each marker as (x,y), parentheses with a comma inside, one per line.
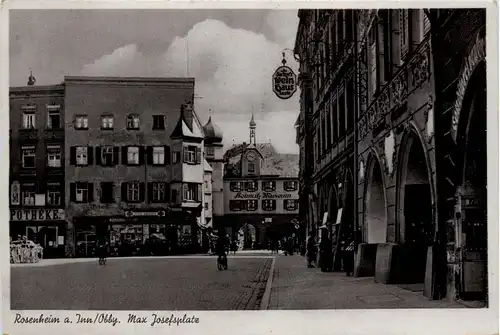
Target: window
(107,122)
(28,194)
(190,154)
(372,59)
(251,167)
(206,205)
(132,121)
(342,112)
(54,117)
(133,155)
(133,190)
(107,156)
(290,205)
(107,193)
(236,205)
(269,204)
(235,186)
(210,151)
(251,205)
(81,122)
(251,186)
(350,99)
(176,157)
(28,117)
(328,126)
(54,156)
(192,192)
(53,198)
(158,155)
(82,192)
(28,156)
(335,121)
(290,185)
(158,122)
(81,155)
(159,192)
(269,186)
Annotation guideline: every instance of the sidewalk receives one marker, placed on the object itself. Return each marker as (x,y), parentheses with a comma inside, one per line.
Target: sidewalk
(297,287)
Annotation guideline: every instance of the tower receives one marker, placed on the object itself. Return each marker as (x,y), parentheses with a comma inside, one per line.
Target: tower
(31,79)
(252,125)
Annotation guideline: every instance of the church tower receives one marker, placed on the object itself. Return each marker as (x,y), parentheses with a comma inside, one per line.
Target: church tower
(252,125)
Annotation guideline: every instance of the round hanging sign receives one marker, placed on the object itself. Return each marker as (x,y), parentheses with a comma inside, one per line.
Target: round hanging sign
(284,82)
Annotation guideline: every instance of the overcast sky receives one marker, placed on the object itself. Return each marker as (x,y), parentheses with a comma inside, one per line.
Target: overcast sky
(231,53)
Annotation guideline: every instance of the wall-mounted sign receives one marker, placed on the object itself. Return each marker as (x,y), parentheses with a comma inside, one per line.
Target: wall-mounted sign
(262,195)
(284,82)
(15,193)
(36,214)
(156,213)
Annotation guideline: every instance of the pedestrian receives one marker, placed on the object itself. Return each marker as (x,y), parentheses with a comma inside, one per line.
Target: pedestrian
(234,247)
(348,258)
(311,252)
(325,251)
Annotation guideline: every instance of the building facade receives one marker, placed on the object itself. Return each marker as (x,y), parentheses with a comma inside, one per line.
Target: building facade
(261,200)
(134,163)
(419,105)
(36,179)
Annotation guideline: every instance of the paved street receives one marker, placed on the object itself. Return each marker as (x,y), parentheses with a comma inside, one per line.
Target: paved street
(186,283)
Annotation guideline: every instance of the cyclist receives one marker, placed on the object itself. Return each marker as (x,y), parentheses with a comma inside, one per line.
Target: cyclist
(102,248)
(220,249)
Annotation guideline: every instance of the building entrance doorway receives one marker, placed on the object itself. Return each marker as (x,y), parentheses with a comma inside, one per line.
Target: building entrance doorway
(375,213)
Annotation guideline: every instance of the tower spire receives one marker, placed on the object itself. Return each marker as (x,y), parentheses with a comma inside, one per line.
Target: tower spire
(252,125)
(31,79)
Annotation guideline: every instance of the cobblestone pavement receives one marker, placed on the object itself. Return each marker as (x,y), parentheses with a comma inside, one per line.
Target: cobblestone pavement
(295,286)
(168,283)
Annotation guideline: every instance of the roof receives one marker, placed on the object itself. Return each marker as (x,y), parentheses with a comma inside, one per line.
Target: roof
(273,163)
(182,130)
(213,134)
(206,166)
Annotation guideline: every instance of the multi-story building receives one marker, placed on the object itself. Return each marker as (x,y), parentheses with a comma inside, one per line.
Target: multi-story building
(260,193)
(134,163)
(459,111)
(419,106)
(327,120)
(37,166)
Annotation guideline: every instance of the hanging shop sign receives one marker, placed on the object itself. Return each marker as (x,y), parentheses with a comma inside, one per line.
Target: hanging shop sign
(284,82)
(156,213)
(36,214)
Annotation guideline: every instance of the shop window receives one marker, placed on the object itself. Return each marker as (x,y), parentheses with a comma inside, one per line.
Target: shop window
(81,122)
(158,155)
(53,198)
(236,205)
(269,204)
(251,186)
(133,121)
(290,204)
(235,186)
(176,157)
(290,185)
(159,192)
(107,193)
(28,156)
(54,156)
(28,117)
(81,192)
(107,122)
(192,192)
(251,205)
(158,122)
(133,155)
(269,186)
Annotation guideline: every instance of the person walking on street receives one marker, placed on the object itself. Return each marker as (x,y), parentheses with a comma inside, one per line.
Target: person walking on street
(348,258)
(325,252)
(311,252)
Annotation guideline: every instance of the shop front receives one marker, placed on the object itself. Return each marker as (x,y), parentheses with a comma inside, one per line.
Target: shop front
(45,227)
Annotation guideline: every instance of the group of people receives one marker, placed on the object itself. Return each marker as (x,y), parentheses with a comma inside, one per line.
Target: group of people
(326,253)
(23,250)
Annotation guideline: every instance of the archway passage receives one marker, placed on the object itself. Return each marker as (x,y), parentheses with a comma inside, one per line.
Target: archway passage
(375,216)
(474,195)
(416,225)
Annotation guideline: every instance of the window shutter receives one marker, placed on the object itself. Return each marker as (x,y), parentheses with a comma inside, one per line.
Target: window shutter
(198,155)
(72,192)
(142,192)
(184,191)
(149,155)
(124,192)
(90,188)
(90,155)
(124,155)
(141,155)
(150,192)
(72,155)
(167,155)
(116,155)
(167,192)
(185,152)
(427,23)
(98,156)
(200,194)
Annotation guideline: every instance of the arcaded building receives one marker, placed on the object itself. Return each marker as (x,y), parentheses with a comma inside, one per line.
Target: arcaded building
(36,171)
(134,163)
